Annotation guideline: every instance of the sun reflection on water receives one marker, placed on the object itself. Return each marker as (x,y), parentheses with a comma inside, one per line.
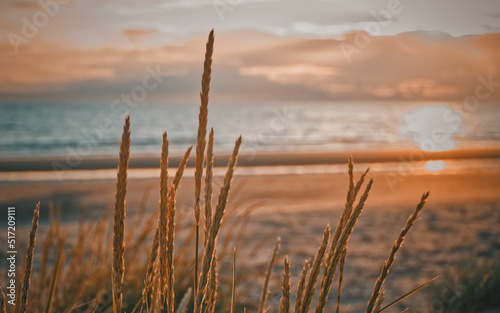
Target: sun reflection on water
(435,166)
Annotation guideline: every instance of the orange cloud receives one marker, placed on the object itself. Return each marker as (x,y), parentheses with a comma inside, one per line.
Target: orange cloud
(294,73)
(135,34)
(409,66)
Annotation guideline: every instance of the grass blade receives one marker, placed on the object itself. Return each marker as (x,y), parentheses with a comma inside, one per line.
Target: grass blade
(285,288)
(302,284)
(163,222)
(23,297)
(392,255)
(313,276)
(55,275)
(118,266)
(200,150)
(265,294)
(409,293)
(220,208)
(233,283)
(182,308)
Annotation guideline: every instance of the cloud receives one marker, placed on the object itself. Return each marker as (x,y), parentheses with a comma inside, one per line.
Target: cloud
(25,5)
(287,74)
(179,20)
(256,66)
(320,30)
(138,33)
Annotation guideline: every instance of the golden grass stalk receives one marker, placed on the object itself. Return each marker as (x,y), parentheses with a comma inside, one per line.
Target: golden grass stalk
(55,275)
(180,170)
(233,282)
(182,308)
(150,268)
(338,247)
(118,263)
(302,284)
(170,292)
(213,285)
(350,172)
(220,208)
(3,301)
(392,255)
(203,121)
(341,277)
(285,287)
(155,305)
(409,293)
(313,276)
(209,182)
(200,149)
(379,300)
(213,282)
(352,194)
(23,297)
(265,293)
(224,191)
(163,221)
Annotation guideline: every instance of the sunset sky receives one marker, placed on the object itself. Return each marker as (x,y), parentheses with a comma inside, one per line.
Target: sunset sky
(94,51)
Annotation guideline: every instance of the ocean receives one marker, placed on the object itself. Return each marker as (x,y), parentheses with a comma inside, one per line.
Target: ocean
(54,129)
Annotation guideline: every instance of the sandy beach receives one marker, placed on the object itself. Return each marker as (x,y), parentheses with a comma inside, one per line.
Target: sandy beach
(459,225)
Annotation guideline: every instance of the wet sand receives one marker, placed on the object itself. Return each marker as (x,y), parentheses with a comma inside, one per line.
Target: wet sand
(254,158)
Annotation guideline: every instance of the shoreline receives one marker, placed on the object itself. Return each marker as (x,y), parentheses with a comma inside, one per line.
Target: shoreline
(267,158)
(276,193)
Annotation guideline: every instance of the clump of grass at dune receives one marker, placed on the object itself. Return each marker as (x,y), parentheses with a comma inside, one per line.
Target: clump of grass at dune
(109,270)
(472,287)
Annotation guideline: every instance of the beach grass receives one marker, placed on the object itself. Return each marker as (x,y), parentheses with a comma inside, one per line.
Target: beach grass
(155,270)
(470,287)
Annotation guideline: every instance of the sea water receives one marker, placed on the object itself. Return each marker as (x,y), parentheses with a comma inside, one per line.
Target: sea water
(55,129)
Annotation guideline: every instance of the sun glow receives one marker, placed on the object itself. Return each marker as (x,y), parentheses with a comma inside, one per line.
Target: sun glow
(435,166)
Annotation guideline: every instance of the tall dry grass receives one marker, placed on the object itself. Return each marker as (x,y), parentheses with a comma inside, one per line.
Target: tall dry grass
(377,289)
(162,278)
(264,294)
(118,265)
(285,287)
(200,152)
(22,299)
(472,286)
